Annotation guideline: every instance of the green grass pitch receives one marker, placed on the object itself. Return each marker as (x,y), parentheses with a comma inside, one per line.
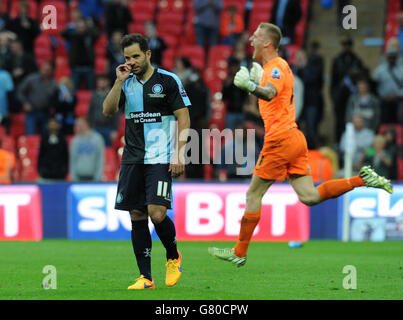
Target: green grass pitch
(104,269)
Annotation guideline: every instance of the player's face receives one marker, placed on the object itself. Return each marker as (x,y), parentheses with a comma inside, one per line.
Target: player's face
(137,60)
(257,41)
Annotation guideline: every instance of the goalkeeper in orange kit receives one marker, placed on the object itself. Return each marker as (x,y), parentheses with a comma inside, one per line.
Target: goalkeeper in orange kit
(284,154)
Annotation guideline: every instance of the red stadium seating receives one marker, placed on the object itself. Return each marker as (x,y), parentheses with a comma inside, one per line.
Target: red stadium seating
(256,17)
(111,166)
(218,56)
(264,5)
(62,68)
(101,45)
(83,102)
(43,49)
(399,169)
(168,59)
(4,6)
(175,29)
(137,27)
(189,34)
(101,65)
(171,6)
(167,17)
(15,9)
(170,40)
(7,142)
(194,53)
(141,6)
(28,150)
(17,124)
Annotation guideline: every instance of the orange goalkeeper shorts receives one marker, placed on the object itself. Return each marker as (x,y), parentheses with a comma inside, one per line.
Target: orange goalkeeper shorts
(283,156)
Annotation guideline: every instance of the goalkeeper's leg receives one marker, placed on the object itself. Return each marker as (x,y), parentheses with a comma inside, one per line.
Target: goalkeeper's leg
(250,219)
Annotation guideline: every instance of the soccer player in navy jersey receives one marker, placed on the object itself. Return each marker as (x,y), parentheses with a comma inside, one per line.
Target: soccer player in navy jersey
(152,100)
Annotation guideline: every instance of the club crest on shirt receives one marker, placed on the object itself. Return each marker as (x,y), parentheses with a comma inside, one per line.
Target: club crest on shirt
(275,74)
(157,91)
(157,88)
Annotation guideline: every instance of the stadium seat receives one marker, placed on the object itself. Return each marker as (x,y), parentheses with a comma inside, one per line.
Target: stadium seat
(17,124)
(28,145)
(189,35)
(175,29)
(263,6)
(101,45)
(171,6)
(218,56)
(7,142)
(3,131)
(400,169)
(4,7)
(213,80)
(168,59)
(141,6)
(170,40)
(83,102)
(167,18)
(136,27)
(42,41)
(194,53)
(101,65)
(256,17)
(292,50)
(15,9)
(111,165)
(394,5)
(28,150)
(62,68)
(141,17)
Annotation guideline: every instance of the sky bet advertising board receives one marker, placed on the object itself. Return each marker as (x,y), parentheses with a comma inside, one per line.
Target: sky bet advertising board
(200,212)
(375,214)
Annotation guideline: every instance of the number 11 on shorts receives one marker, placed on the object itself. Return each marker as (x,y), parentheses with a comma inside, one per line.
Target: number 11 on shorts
(162,188)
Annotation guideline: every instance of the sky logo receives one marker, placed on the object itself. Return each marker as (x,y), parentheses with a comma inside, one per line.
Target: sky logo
(369,203)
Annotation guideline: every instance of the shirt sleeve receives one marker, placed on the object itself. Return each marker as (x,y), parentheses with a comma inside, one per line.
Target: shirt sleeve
(275,76)
(177,97)
(122,100)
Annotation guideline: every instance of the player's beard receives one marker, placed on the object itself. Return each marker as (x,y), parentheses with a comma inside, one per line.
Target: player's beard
(142,70)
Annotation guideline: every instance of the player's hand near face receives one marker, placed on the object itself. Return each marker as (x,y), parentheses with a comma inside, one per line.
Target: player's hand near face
(123,72)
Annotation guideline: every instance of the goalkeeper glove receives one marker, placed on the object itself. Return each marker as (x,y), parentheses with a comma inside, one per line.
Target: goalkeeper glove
(256,72)
(242,80)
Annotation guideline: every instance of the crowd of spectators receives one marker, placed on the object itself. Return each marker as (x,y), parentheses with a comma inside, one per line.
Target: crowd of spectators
(77,142)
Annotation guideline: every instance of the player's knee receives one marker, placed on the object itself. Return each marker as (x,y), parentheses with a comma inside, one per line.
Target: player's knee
(136,215)
(309,200)
(157,215)
(254,195)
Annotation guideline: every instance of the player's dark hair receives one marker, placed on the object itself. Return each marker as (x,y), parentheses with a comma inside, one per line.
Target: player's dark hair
(133,38)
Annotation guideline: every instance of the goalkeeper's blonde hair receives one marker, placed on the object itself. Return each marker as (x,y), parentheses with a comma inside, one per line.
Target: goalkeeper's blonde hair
(273,32)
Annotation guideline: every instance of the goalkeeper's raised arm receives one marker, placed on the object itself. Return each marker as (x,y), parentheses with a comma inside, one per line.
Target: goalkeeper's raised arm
(249,82)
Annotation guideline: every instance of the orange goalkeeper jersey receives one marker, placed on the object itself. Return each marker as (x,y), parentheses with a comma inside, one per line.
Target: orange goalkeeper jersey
(278,114)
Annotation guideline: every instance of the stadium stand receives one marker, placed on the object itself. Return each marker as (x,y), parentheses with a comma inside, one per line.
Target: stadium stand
(174,22)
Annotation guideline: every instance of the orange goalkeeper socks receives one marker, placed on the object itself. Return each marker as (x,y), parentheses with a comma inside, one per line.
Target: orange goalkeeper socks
(334,188)
(248,224)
